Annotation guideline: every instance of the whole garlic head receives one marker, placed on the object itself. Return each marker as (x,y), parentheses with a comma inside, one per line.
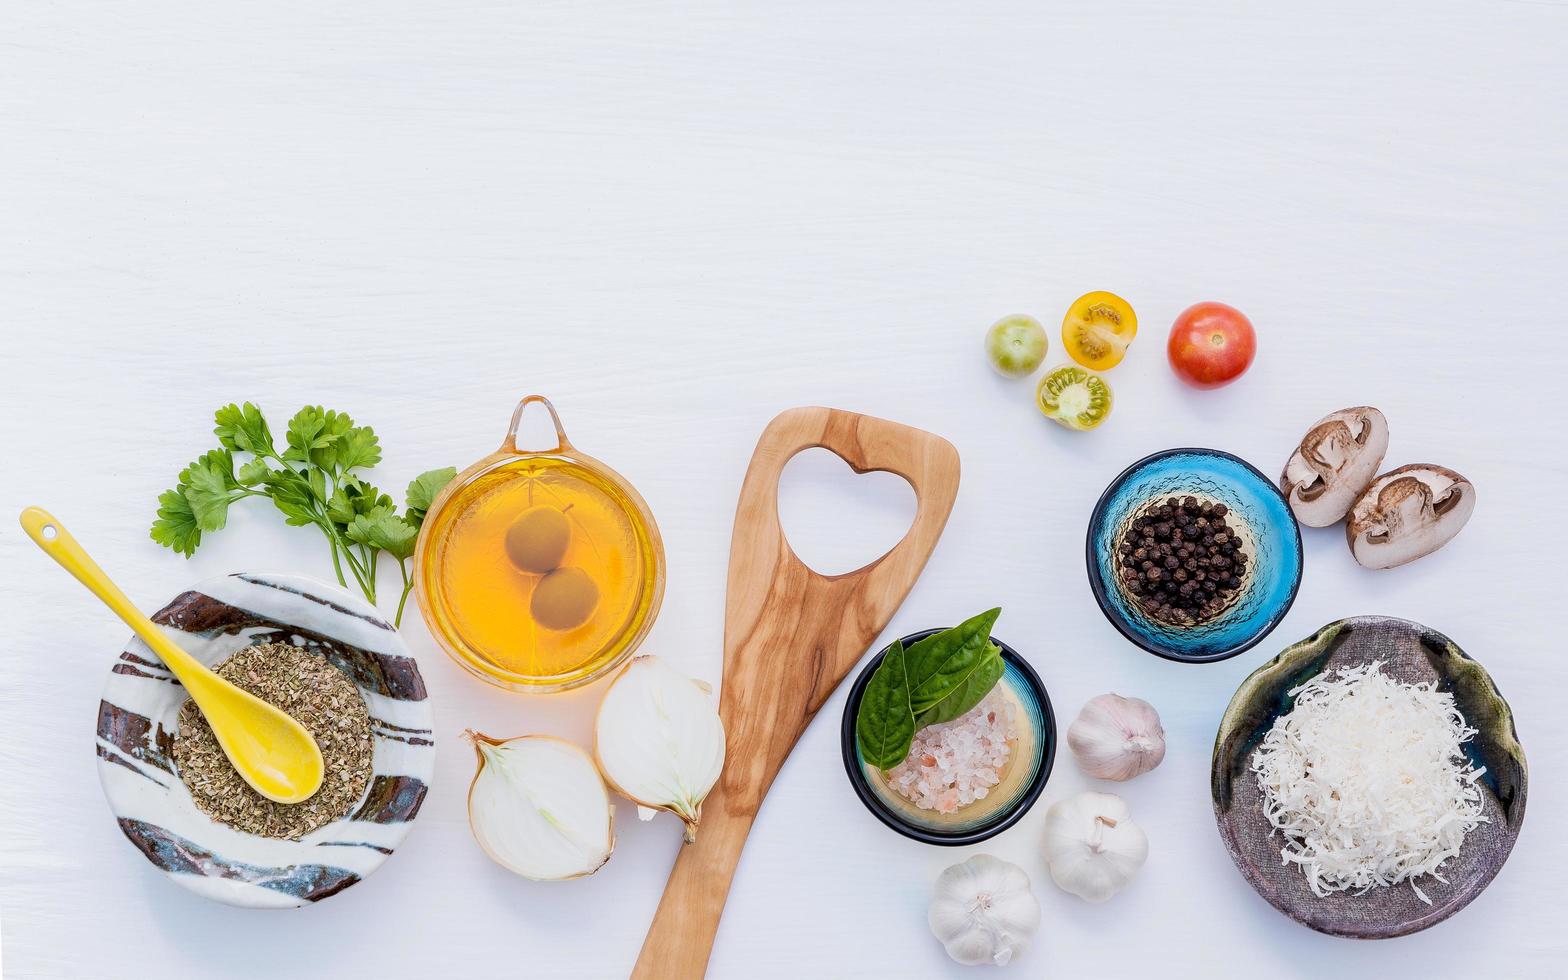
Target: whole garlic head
(1117,738)
(1092,845)
(983,911)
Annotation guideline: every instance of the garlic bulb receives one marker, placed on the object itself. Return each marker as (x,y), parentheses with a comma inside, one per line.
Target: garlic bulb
(1117,738)
(1092,845)
(538,807)
(659,740)
(983,911)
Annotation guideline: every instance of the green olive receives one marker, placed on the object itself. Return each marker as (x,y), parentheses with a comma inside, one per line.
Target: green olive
(536,542)
(564,599)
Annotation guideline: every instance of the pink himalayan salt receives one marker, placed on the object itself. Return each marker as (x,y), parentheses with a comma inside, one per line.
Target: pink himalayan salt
(953,764)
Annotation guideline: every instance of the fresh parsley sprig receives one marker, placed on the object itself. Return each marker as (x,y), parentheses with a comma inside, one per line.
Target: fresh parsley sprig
(313,480)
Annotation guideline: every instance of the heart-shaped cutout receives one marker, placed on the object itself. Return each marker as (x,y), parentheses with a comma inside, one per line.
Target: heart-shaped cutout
(837,520)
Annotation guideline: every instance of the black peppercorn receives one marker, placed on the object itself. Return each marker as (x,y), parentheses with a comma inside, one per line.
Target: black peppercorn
(1181,560)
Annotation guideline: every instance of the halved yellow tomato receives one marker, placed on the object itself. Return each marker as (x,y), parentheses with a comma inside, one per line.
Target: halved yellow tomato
(1097,329)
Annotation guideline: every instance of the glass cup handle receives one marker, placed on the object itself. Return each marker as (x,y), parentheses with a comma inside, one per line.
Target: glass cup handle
(510,443)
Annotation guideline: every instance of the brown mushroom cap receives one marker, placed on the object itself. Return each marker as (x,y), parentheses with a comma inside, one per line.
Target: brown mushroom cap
(1335,461)
(1408,513)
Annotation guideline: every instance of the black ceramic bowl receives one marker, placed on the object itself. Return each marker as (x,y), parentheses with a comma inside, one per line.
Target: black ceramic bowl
(1025,777)
(1258,514)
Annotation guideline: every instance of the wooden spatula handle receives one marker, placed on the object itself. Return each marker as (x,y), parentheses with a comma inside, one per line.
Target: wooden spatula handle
(790,636)
(681,937)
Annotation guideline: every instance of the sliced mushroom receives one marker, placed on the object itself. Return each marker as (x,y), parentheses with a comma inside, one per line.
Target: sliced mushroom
(1336,460)
(1407,514)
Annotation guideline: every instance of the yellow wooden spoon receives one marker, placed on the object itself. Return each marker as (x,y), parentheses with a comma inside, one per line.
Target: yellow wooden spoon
(274,753)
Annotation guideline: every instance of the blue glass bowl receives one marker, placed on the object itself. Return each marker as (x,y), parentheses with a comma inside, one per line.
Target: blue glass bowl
(1022,781)
(1258,513)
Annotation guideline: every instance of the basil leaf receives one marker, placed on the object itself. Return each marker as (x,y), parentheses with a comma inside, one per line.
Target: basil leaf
(968,694)
(884,726)
(939,664)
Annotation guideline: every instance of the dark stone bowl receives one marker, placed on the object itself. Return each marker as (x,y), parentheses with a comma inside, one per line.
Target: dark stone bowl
(1411,653)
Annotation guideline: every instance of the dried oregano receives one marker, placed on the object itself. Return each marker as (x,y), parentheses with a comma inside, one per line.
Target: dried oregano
(317,695)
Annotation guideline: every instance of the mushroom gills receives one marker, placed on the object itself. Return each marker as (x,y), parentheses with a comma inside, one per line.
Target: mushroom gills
(1408,513)
(1333,464)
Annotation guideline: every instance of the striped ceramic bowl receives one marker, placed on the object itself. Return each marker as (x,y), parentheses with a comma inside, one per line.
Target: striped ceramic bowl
(138,719)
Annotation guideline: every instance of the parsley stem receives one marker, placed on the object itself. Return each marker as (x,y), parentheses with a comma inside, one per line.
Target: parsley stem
(338,544)
(375,554)
(337,566)
(408,585)
(367,584)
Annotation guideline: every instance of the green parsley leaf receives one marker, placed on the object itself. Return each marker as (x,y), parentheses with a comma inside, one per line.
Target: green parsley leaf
(252,473)
(379,500)
(317,481)
(313,435)
(176,526)
(290,493)
(305,433)
(423,490)
(358,448)
(243,428)
(314,483)
(361,530)
(386,531)
(335,426)
(294,513)
(205,484)
(340,506)
(215,469)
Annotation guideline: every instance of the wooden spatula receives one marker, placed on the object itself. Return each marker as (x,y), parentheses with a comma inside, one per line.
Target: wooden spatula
(790,636)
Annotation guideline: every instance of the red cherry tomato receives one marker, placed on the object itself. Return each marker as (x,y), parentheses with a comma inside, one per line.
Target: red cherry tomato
(1211,345)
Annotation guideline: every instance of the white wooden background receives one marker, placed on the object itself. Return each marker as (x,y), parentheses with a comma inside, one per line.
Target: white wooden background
(679,220)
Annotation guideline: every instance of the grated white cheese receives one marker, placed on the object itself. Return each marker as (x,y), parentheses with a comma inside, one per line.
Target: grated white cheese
(1367,781)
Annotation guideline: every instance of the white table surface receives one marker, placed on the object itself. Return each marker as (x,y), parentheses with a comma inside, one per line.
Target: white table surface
(678,223)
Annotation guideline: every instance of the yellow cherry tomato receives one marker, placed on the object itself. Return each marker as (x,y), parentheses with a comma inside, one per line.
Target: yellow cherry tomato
(1097,329)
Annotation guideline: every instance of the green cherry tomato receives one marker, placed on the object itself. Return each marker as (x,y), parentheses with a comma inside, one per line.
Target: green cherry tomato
(1068,395)
(1016,345)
